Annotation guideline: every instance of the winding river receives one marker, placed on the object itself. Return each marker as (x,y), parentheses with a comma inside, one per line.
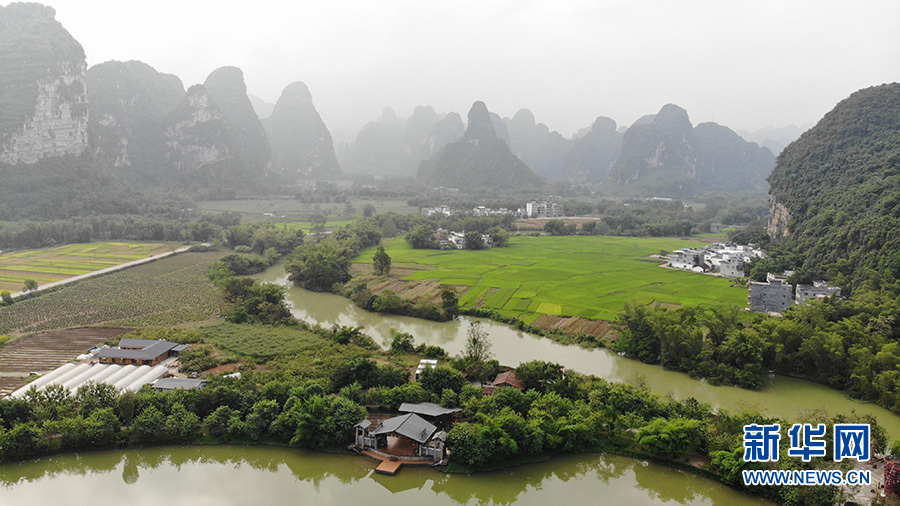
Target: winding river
(780,396)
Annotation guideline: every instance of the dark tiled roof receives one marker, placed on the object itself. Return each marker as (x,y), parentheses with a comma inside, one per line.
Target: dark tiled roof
(412,426)
(427,409)
(509,378)
(149,352)
(136,343)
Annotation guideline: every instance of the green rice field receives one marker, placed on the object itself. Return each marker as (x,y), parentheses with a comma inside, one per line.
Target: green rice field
(590,277)
(54,264)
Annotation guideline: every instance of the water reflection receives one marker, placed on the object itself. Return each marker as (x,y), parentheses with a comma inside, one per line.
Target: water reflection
(227,474)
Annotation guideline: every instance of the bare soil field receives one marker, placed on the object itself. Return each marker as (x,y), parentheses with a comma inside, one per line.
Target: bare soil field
(574,325)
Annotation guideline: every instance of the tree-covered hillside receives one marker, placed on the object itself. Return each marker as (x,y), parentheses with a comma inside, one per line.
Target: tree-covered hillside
(836,192)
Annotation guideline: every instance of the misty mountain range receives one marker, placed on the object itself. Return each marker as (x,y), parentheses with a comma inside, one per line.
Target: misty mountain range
(126,120)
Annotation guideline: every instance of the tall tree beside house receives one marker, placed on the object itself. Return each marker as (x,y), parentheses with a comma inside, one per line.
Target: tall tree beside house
(478,344)
(382,261)
(474,240)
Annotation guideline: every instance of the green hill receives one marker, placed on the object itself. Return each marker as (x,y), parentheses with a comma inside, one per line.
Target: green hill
(835,192)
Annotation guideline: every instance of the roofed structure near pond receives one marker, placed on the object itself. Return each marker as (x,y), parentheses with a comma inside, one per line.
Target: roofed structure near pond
(411,425)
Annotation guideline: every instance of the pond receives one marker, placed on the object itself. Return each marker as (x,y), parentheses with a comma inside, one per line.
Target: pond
(218,475)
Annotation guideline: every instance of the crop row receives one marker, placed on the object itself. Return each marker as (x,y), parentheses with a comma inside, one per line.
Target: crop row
(166,292)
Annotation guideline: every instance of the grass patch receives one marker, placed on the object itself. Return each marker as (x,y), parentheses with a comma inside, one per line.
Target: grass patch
(590,277)
(263,342)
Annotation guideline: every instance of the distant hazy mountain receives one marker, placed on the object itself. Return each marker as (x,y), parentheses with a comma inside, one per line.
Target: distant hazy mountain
(418,132)
(43,96)
(480,159)
(397,146)
(448,130)
(129,102)
(263,109)
(380,148)
(774,138)
(594,153)
(247,137)
(300,141)
(665,155)
(542,150)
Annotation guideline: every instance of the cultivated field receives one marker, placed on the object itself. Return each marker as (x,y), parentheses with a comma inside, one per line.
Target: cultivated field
(588,277)
(169,291)
(53,264)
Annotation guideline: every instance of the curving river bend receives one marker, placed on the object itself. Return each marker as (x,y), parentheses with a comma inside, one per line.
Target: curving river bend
(780,395)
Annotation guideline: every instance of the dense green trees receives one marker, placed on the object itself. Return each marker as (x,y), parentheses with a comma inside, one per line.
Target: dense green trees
(256,302)
(319,267)
(847,344)
(421,237)
(442,378)
(555,227)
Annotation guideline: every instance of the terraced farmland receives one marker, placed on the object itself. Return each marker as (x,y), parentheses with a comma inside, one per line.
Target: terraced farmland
(54,264)
(166,292)
(587,277)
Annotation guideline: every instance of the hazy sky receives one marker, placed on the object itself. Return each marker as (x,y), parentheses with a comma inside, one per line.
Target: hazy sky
(743,64)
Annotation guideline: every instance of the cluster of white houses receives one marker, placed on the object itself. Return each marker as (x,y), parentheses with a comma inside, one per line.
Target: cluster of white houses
(776,294)
(448,239)
(533,209)
(725,259)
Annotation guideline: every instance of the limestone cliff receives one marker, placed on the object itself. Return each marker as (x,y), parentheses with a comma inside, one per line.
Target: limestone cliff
(129,102)
(779,218)
(247,137)
(43,104)
(197,138)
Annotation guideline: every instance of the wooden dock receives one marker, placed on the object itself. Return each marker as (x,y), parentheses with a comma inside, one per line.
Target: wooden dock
(389,467)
